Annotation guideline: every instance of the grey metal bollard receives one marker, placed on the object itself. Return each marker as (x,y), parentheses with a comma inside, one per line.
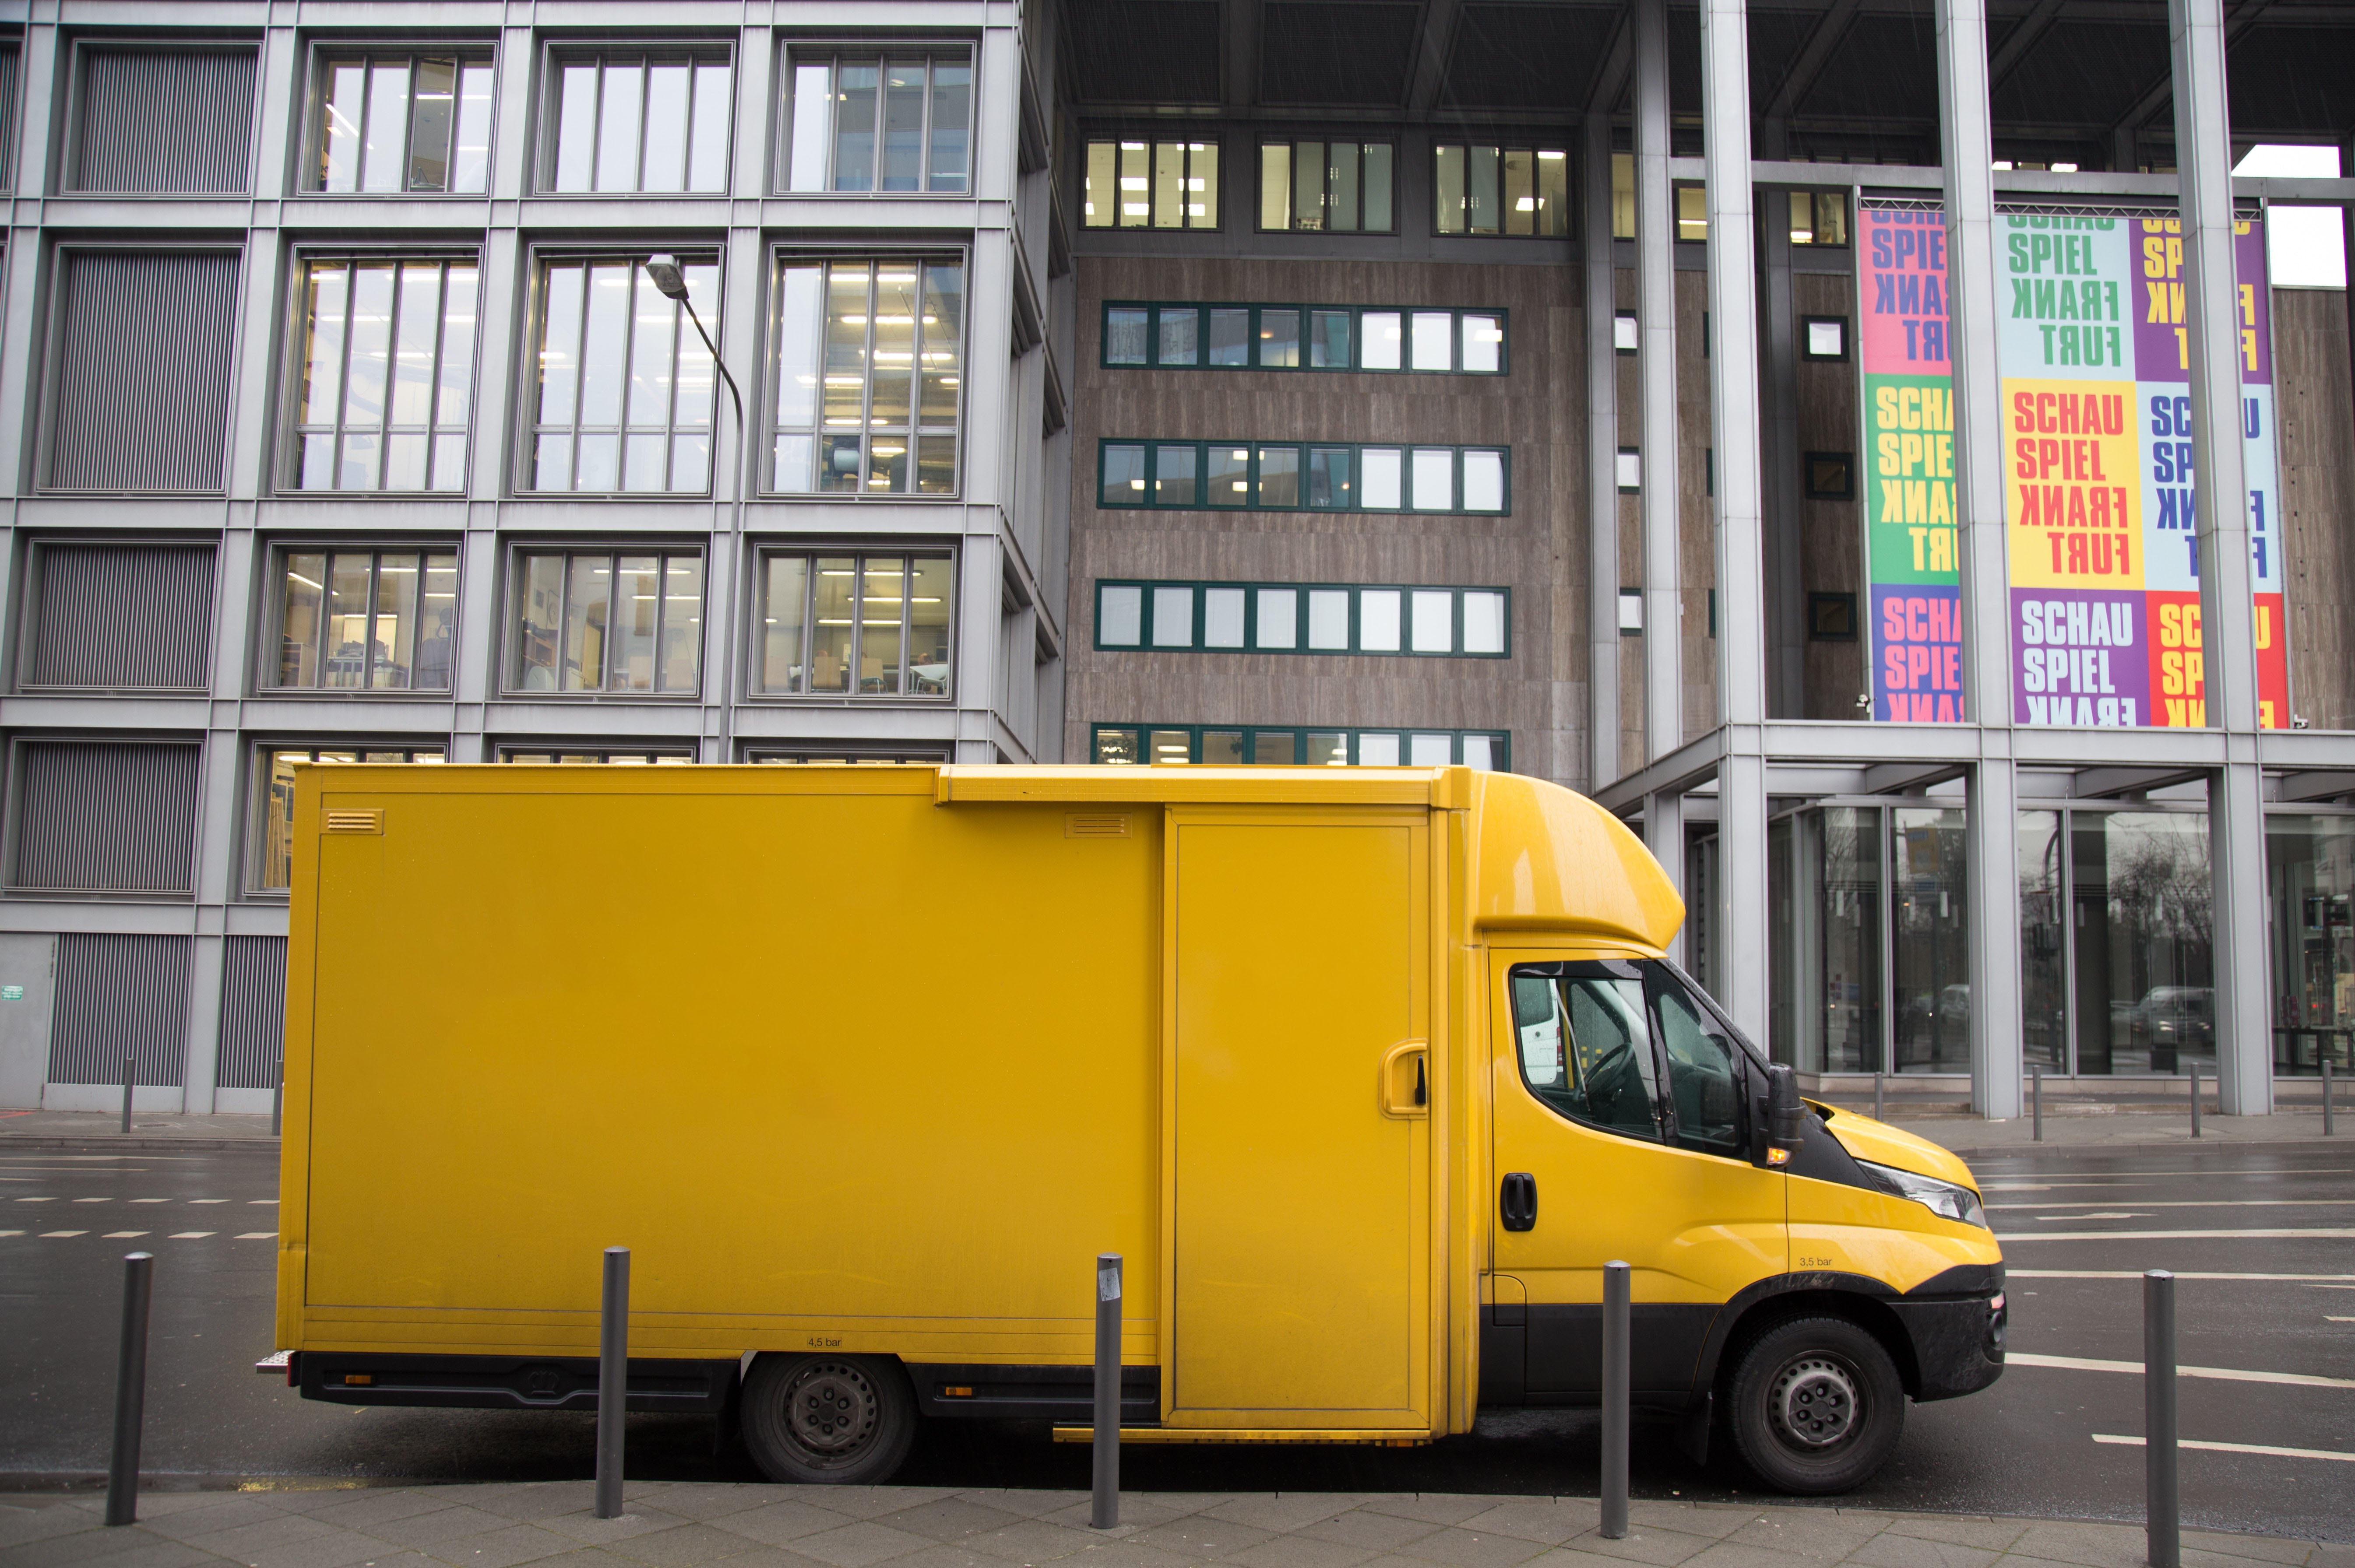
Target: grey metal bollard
(2036,1099)
(278,1102)
(2195,1099)
(2162,1526)
(612,1381)
(1103,1513)
(126,1089)
(1880,1098)
(130,1391)
(2325,1096)
(1615,1371)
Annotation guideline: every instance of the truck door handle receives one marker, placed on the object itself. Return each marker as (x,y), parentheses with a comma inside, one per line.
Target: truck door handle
(1517,1203)
(1404,1090)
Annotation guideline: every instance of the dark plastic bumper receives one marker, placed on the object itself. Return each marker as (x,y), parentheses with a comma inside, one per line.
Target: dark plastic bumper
(1957,1342)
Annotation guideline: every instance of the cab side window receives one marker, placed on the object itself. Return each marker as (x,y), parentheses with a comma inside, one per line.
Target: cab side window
(1584,1048)
(1701,1072)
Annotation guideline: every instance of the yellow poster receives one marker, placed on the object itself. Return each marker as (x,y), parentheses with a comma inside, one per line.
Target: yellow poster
(2074,493)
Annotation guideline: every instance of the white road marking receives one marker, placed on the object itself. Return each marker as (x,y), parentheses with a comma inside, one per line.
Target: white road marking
(2167,1235)
(271,1201)
(93,1200)
(11,1232)
(2107,1214)
(208,1200)
(256,1236)
(151,1200)
(2339,1320)
(35,1199)
(2267,1449)
(2180,1274)
(47,1235)
(121,1235)
(2222,1374)
(190,1235)
(2200,1203)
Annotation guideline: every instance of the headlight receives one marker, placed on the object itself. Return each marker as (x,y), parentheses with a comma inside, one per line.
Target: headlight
(1943,1199)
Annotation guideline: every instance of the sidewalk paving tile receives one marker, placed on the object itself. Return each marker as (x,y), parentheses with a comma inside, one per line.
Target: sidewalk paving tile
(1472,1549)
(1549,1522)
(505,1546)
(431,1532)
(337,1548)
(1129,1554)
(584,1526)
(538,1500)
(1176,1502)
(783,1522)
(1135,1514)
(358,1510)
(682,1546)
(21,1526)
(1366,1528)
(93,1546)
(2257,1547)
(950,1518)
(1023,1502)
(1819,1535)
(769,1557)
(1891,1549)
(243,1540)
(857,1544)
(874,1502)
(2084,1545)
(1716,1520)
(220,1511)
(1432,1507)
(1281,1511)
(1959,1530)
(1299,1551)
(709,1500)
(1645,1543)
(1027,1540)
(1201,1538)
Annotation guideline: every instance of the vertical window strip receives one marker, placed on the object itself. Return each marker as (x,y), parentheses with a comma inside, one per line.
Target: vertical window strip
(386,379)
(1272,476)
(1150,185)
(846,625)
(1141,616)
(639,122)
(432,134)
(1166,335)
(917,134)
(571,615)
(1234,745)
(1501,190)
(1336,187)
(869,376)
(626,389)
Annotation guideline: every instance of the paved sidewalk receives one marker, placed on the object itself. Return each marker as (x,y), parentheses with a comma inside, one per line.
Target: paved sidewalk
(149,1130)
(687,1525)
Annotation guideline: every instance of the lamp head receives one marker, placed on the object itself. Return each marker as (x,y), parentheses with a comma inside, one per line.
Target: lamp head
(667,276)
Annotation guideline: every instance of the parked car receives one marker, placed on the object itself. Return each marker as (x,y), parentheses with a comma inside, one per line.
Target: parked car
(2170,1019)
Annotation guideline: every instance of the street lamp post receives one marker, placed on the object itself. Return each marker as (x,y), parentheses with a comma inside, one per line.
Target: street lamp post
(670,279)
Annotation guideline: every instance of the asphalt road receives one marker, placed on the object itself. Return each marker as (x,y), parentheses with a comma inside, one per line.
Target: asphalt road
(2080,1225)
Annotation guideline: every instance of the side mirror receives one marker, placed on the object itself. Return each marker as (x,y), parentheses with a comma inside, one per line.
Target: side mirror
(1786,1115)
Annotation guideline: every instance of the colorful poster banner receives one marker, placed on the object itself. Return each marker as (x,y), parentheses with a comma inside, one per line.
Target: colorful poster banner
(2093,357)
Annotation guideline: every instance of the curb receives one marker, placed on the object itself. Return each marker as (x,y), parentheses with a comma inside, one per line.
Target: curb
(118,1141)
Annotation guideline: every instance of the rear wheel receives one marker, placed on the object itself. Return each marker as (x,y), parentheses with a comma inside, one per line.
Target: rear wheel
(1817,1406)
(828,1420)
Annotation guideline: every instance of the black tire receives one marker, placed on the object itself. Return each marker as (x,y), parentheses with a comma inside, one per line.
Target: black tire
(844,1421)
(1816,1406)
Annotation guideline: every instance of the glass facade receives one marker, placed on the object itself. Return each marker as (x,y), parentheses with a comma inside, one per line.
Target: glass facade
(1501,190)
(622,395)
(1335,188)
(366,620)
(402,123)
(585,621)
(1150,185)
(632,121)
(895,123)
(387,376)
(273,838)
(854,625)
(870,377)
(2310,877)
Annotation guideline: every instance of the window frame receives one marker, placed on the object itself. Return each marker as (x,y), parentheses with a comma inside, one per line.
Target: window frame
(1565,144)
(860,551)
(548,112)
(524,421)
(270,627)
(789,53)
(1214,223)
(1657,975)
(1260,144)
(286,464)
(261,751)
(309,143)
(782,254)
(660,752)
(66,157)
(1847,340)
(861,753)
(1500,741)
(1807,461)
(509,652)
(1152,447)
(1357,313)
(1147,642)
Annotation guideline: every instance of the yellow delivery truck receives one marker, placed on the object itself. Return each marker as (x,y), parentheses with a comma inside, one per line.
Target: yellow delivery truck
(1366,1072)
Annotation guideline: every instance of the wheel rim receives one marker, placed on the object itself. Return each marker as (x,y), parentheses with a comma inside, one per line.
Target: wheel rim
(832,1413)
(1814,1403)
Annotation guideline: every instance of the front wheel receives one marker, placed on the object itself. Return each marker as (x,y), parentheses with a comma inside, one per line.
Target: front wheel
(1817,1406)
(828,1420)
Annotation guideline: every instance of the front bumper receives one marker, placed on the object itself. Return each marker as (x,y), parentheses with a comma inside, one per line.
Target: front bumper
(1957,1340)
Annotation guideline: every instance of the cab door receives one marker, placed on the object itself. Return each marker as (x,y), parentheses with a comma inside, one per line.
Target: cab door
(1622,1133)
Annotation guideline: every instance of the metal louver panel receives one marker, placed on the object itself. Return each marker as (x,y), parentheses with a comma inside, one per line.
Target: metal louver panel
(145,350)
(253,1013)
(117,994)
(164,120)
(8,108)
(105,816)
(122,617)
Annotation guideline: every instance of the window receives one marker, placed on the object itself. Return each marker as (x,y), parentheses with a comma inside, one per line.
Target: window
(1252,745)
(1819,217)
(163,119)
(822,754)
(621,622)
(1597,1040)
(366,620)
(1823,338)
(387,375)
(1303,336)
(869,357)
(1693,212)
(624,386)
(273,850)
(637,120)
(854,625)
(1831,618)
(1151,185)
(1629,470)
(113,308)
(403,120)
(896,123)
(1703,1082)
(1336,187)
(119,617)
(1264,475)
(1501,190)
(1829,475)
(594,756)
(1626,332)
(1309,618)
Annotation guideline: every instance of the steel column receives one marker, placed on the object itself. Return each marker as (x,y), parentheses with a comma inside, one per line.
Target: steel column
(1664,836)
(2236,829)
(1991,881)
(1655,367)
(1740,891)
(1601,464)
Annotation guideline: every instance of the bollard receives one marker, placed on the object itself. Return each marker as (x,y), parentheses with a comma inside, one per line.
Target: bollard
(2325,1096)
(2162,1528)
(2195,1099)
(130,1391)
(1880,1101)
(1615,1401)
(1104,1511)
(2036,1099)
(278,1102)
(612,1381)
(126,1089)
